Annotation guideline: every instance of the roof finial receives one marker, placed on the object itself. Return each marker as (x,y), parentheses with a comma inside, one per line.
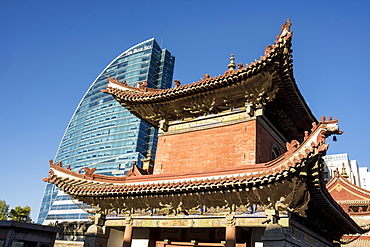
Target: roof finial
(285,28)
(287,25)
(344,172)
(232,65)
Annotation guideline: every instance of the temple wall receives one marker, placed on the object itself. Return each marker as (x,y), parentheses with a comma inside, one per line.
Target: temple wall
(219,147)
(265,143)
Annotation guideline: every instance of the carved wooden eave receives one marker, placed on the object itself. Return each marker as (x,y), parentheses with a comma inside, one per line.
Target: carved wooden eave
(266,82)
(293,182)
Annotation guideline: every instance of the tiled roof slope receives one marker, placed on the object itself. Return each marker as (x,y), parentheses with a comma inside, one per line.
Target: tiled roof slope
(352,198)
(269,79)
(342,190)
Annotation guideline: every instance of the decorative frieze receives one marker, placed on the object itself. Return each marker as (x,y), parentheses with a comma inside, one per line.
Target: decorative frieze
(199,222)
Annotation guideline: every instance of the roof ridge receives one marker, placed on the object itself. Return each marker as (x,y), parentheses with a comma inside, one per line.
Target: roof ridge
(339,177)
(280,43)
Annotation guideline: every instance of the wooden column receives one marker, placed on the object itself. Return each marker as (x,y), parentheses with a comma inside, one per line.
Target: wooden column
(154,235)
(9,238)
(127,237)
(230,236)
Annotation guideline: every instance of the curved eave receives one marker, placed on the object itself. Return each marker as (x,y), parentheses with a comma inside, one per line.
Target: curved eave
(275,170)
(282,45)
(331,207)
(276,60)
(297,162)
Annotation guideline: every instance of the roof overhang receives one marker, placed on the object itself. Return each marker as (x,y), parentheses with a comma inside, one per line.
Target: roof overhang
(293,182)
(266,82)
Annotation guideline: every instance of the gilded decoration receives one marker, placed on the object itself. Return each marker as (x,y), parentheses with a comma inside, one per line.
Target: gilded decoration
(217,203)
(197,222)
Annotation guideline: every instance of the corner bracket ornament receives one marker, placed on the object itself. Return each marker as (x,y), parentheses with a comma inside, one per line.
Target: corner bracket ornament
(230,220)
(51,173)
(249,109)
(163,125)
(99,219)
(272,216)
(129,221)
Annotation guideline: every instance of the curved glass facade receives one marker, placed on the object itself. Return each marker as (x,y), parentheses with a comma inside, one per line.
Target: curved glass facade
(102,133)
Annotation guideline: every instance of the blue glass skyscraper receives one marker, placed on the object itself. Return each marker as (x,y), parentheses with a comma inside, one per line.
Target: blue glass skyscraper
(103,134)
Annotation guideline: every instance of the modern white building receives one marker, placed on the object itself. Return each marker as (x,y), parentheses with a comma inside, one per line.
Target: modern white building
(359,176)
(364,178)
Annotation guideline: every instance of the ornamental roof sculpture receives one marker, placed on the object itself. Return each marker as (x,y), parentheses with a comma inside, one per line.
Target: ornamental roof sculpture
(266,82)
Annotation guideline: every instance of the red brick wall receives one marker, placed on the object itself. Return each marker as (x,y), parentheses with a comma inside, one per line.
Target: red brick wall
(220,147)
(265,142)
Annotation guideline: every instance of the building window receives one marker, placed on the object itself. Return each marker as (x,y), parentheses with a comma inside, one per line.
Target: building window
(275,152)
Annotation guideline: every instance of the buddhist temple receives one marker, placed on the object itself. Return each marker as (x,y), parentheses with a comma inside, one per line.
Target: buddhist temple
(238,163)
(356,202)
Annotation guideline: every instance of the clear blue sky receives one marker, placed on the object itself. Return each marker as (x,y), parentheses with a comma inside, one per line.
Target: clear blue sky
(51,51)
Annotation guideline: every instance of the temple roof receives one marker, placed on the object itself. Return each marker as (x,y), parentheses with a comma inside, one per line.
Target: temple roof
(345,192)
(352,198)
(266,82)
